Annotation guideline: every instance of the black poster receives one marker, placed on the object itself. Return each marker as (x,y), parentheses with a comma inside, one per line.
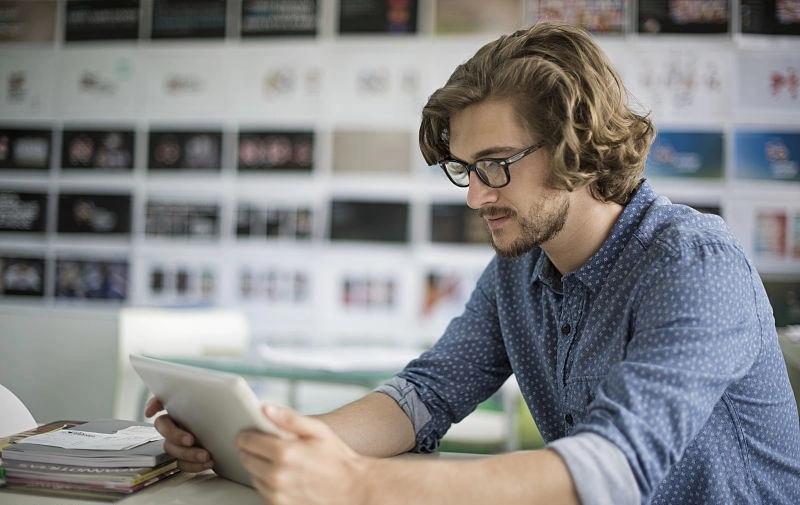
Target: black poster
(21,276)
(369,221)
(278,17)
(277,150)
(170,150)
(378,16)
(457,223)
(175,19)
(91,279)
(174,220)
(94,214)
(770,17)
(106,20)
(97,150)
(25,149)
(684,16)
(22,212)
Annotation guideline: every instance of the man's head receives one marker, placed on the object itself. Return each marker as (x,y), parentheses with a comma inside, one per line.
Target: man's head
(566,94)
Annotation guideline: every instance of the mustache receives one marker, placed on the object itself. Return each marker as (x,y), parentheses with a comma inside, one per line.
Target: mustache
(496,212)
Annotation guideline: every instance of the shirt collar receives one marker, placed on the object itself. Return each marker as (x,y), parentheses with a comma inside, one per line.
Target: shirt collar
(596,269)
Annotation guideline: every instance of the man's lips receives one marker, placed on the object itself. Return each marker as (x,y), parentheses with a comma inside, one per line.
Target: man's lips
(496,219)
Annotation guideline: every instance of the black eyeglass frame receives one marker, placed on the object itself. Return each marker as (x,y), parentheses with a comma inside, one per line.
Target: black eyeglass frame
(502,162)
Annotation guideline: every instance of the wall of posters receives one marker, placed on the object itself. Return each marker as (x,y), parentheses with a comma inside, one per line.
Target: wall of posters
(686,154)
(262,18)
(22,212)
(21,276)
(107,20)
(767,155)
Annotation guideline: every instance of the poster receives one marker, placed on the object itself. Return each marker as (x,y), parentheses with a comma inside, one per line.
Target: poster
(96,214)
(98,83)
(165,219)
(385,152)
(605,17)
(23,211)
(374,221)
(457,224)
(22,276)
(106,20)
(92,278)
(106,149)
(26,84)
(266,151)
(769,82)
(25,149)
(683,16)
(767,155)
(178,19)
(181,282)
(378,16)
(27,20)
(184,150)
(770,17)
(265,18)
(274,221)
(477,16)
(695,154)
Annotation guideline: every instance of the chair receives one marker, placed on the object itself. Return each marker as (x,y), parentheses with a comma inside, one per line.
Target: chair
(171,332)
(14,415)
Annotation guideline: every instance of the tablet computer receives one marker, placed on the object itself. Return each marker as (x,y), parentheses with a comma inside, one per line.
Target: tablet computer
(214,406)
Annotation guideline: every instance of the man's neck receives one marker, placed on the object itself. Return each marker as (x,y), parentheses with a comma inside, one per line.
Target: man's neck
(588,225)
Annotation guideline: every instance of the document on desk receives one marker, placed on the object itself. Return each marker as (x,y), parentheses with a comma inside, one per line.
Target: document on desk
(121,440)
(340,358)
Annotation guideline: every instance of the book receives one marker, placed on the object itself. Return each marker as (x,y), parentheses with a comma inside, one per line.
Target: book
(148,454)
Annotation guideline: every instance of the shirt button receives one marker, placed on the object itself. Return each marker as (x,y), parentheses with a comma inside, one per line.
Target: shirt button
(568,419)
(566,329)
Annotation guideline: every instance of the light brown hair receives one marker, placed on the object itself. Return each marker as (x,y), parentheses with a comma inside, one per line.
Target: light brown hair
(566,93)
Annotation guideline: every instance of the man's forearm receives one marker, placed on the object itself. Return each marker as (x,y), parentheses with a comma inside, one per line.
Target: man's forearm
(526,477)
(374,425)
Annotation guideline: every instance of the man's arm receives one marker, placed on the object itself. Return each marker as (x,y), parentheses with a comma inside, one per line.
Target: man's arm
(314,466)
(374,425)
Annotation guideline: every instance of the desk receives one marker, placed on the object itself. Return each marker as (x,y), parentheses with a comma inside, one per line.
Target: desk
(189,489)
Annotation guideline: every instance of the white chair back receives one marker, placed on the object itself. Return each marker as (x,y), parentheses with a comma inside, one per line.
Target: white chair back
(14,415)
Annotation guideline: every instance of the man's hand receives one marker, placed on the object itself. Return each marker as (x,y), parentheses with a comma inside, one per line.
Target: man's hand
(177,441)
(310,465)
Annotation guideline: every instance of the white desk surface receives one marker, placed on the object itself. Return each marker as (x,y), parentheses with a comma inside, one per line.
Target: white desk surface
(182,489)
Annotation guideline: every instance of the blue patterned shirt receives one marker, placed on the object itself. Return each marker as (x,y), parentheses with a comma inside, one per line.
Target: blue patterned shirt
(663,343)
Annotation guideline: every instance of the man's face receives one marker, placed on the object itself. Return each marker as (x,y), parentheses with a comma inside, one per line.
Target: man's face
(526,213)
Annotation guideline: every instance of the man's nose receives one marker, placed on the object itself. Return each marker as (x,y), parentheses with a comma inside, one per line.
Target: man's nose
(478,193)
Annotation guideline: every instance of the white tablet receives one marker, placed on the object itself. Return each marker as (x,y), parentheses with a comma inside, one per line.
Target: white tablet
(214,406)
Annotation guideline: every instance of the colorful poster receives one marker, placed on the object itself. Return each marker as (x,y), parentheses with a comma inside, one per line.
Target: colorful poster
(771,232)
(106,20)
(273,150)
(373,221)
(106,214)
(684,16)
(21,276)
(23,211)
(378,16)
(27,20)
(91,279)
(269,18)
(178,19)
(97,149)
(769,82)
(185,150)
(771,155)
(686,154)
(25,149)
(770,17)
(598,17)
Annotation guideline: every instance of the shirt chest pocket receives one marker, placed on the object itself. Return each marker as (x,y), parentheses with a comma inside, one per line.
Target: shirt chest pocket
(576,397)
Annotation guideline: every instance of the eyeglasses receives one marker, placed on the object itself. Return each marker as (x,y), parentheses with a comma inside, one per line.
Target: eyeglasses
(491,171)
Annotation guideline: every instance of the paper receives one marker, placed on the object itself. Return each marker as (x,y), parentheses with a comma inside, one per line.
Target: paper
(124,439)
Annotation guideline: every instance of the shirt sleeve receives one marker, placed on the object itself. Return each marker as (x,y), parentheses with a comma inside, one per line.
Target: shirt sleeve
(600,471)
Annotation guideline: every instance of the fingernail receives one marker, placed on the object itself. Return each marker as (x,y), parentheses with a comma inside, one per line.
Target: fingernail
(186,440)
(201,457)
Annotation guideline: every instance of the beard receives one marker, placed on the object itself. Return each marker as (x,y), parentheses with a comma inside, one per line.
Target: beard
(541,224)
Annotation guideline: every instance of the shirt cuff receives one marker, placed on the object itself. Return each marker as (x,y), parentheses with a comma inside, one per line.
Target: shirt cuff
(405,394)
(600,470)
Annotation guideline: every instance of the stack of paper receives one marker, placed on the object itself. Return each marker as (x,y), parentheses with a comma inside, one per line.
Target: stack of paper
(103,459)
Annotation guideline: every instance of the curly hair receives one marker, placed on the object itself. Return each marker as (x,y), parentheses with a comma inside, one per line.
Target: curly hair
(565,91)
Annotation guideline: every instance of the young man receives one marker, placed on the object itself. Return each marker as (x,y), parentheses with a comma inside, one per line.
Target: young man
(638,331)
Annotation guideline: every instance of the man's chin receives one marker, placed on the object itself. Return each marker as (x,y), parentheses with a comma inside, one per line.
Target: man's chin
(511,251)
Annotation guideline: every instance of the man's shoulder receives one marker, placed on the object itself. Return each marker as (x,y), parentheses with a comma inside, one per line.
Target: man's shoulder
(680,227)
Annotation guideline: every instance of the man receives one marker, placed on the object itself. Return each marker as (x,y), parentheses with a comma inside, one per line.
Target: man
(638,331)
